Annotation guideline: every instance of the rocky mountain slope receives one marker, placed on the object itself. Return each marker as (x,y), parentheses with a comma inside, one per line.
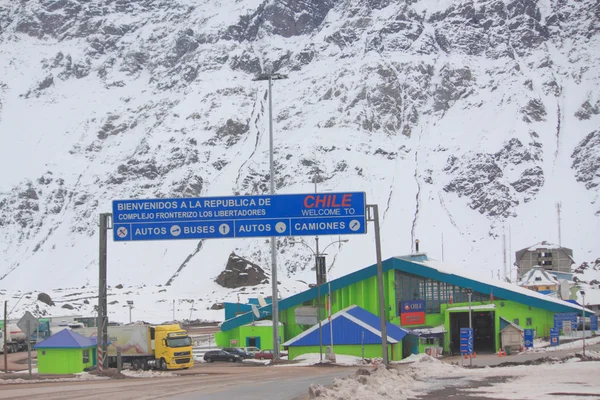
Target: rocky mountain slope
(466,121)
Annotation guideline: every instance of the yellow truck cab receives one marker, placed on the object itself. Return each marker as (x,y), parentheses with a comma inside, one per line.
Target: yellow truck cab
(172,347)
(147,347)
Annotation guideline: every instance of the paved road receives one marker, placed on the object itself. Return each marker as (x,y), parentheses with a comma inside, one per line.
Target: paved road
(205,381)
(275,388)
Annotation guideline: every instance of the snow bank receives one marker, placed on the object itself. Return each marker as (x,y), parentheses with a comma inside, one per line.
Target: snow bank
(340,359)
(382,383)
(428,374)
(83,376)
(147,374)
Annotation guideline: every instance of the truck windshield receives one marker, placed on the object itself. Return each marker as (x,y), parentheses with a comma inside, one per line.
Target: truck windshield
(179,342)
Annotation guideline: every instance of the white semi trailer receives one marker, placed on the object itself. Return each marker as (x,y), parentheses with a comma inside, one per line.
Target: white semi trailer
(16,340)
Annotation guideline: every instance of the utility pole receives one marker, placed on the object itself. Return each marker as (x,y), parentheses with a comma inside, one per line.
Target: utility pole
(173,310)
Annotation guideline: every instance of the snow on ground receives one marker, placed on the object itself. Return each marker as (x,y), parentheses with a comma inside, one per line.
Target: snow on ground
(577,344)
(428,374)
(412,358)
(83,376)
(147,374)
(315,358)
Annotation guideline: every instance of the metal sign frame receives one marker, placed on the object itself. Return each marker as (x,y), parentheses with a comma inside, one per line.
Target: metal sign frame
(240,216)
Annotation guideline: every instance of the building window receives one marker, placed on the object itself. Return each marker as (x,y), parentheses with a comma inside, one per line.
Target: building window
(434,293)
(516,321)
(528,321)
(86,356)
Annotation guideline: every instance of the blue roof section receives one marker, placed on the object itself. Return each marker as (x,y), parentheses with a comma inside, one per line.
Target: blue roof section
(66,339)
(373,321)
(353,325)
(504,323)
(418,265)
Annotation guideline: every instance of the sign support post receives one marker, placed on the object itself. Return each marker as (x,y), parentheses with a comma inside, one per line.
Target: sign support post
(102,335)
(4,344)
(374,216)
(28,324)
(29,347)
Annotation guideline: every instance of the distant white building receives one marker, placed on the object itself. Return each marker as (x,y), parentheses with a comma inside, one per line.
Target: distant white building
(539,280)
(550,257)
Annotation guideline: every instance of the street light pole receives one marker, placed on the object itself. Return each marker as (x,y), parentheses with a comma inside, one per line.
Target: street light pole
(317,254)
(319,300)
(470,293)
(583,318)
(318,290)
(274,304)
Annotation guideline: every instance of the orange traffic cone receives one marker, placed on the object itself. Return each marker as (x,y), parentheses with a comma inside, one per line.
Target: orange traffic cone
(499,352)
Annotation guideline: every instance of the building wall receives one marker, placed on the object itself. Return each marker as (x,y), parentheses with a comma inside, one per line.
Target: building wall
(363,294)
(265,333)
(560,260)
(370,351)
(62,361)
(540,320)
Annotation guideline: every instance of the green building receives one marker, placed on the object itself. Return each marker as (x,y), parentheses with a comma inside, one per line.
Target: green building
(425,297)
(66,352)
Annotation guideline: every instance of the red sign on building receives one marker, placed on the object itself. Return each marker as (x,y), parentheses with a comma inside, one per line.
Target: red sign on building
(412,318)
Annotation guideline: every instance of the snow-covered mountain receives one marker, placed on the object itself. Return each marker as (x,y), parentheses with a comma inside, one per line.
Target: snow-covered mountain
(465,121)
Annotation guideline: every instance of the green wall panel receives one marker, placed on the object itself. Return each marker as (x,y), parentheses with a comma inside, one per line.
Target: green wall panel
(62,361)
(265,333)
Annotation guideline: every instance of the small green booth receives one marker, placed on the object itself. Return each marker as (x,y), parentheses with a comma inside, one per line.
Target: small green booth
(66,352)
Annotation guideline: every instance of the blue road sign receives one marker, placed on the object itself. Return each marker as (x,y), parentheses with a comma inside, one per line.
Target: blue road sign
(466,341)
(554,339)
(240,216)
(560,317)
(528,338)
(594,323)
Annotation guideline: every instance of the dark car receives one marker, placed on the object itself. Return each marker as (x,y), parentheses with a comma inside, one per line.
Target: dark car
(238,351)
(267,354)
(220,355)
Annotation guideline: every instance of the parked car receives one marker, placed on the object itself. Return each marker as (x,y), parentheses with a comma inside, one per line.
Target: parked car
(250,350)
(240,352)
(220,355)
(268,354)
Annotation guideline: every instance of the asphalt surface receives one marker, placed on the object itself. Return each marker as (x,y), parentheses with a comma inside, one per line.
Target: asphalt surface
(245,381)
(294,387)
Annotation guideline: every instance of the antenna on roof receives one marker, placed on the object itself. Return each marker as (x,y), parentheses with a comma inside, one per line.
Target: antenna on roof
(558,207)
(504,251)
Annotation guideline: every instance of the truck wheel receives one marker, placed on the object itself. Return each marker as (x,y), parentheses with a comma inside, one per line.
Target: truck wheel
(145,366)
(135,365)
(162,364)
